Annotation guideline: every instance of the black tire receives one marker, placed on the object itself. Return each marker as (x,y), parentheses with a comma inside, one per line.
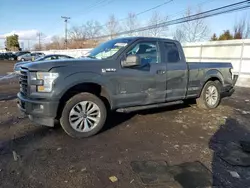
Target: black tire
(202,102)
(64,120)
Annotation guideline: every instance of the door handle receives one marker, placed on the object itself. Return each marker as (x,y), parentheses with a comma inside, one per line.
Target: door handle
(160,72)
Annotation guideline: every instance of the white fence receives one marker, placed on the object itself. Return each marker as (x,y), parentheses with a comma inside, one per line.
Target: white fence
(235,51)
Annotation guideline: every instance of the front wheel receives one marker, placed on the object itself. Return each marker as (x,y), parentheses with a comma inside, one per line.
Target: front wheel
(210,96)
(84,115)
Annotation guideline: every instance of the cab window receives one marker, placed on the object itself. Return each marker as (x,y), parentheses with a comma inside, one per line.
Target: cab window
(147,51)
(50,58)
(172,52)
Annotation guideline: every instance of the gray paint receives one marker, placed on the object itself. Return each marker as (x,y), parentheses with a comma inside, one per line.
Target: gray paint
(127,87)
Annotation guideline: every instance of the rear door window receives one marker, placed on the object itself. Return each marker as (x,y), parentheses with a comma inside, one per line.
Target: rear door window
(172,54)
(51,58)
(63,57)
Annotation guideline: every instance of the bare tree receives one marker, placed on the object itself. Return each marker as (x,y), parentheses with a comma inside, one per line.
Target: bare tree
(242,29)
(131,24)
(83,36)
(179,35)
(247,34)
(192,30)
(37,47)
(92,29)
(112,26)
(155,20)
(77,36)
(56,43)
(77,33)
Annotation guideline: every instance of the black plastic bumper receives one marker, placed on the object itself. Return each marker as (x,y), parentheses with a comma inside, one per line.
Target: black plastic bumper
(235,78)
(229,91)
(39,111)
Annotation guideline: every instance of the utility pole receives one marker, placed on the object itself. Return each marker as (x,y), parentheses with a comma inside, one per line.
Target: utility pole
(66,29)
(28,44)
(39,35)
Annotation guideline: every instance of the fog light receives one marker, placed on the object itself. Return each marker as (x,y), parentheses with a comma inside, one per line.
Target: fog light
(41,107)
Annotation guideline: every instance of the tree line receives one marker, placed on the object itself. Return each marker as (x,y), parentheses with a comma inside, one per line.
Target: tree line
(241,30)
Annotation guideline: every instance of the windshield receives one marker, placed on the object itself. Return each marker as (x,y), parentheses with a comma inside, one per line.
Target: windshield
(108,49)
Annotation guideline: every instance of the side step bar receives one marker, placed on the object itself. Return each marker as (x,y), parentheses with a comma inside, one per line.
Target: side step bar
(138,108)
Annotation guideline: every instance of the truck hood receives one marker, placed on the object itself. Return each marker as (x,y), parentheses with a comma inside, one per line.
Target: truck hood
(48,65)
(22,63)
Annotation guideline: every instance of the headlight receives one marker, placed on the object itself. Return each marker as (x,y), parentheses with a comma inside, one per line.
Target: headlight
(48,79)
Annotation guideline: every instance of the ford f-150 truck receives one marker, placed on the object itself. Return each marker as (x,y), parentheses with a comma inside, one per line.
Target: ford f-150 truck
(124,74)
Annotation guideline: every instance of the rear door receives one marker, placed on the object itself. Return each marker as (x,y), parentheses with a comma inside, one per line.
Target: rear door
(177,71)
(144,84)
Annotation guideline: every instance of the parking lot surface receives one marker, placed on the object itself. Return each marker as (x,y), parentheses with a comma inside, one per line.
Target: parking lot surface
(178,146)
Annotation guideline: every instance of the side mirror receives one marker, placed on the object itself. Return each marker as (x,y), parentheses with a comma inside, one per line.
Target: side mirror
(131,61)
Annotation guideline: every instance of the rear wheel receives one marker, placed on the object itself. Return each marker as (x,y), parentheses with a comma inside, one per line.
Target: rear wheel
(210,96)
(84,115)
(22,59)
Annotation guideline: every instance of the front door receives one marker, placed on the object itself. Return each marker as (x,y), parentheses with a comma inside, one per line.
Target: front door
(177,72)
(146,83)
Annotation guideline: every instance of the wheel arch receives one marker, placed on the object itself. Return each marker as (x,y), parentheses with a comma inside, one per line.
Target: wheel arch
(95,88)
(212,75)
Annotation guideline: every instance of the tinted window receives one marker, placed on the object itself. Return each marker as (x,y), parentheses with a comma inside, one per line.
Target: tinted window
(63,57)
(172,52)
(27,55)
(51,58)
(147,51)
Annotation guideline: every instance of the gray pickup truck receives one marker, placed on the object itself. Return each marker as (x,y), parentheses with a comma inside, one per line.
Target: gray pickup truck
(125,75)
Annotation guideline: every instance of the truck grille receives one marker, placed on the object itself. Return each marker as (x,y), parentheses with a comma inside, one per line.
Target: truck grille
(24,81)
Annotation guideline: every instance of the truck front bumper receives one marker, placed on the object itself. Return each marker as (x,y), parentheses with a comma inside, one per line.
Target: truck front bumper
(39,111)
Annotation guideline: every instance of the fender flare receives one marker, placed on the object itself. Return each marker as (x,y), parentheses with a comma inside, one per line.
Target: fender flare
(86,77)
(211,74)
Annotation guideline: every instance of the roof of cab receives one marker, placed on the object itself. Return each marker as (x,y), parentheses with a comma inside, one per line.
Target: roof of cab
(150,38)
